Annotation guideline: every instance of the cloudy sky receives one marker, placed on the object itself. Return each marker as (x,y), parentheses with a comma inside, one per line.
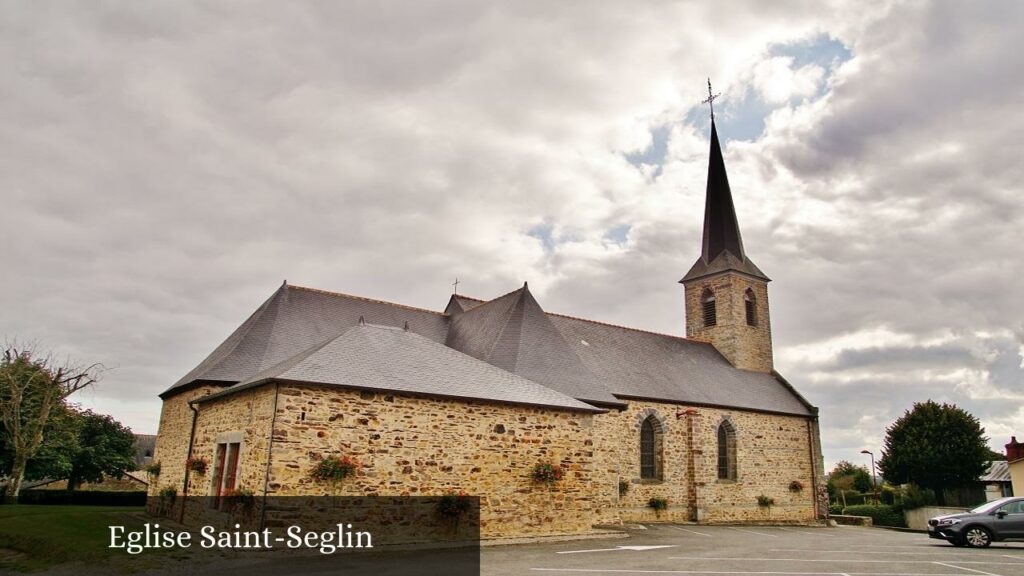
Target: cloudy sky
(164,166)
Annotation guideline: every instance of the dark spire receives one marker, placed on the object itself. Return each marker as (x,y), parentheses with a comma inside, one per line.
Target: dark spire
(723,247)
(721,232)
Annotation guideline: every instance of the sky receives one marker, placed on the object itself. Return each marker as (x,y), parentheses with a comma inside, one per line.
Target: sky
(164,166)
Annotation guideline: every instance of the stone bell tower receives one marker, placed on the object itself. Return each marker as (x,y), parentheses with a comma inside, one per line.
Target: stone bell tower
(726,294)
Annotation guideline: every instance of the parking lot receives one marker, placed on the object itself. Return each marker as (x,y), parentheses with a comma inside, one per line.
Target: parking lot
(768,550)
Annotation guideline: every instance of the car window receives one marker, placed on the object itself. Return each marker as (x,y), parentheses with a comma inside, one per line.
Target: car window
(1013,508)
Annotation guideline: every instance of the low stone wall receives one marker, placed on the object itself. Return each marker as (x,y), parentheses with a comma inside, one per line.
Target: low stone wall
(852,520)
(917,519)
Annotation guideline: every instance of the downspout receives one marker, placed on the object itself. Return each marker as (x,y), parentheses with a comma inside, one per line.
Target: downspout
(270,453)
(814,467)
(191,439)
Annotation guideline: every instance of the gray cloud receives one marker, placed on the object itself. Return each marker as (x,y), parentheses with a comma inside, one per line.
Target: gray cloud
(165,166)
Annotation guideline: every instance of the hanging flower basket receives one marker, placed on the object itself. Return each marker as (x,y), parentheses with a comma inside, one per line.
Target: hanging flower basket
(658,504)
(153,469)
(546,473)
(453,505)
(765,501)
(197,464)
(334,469)
(796,486)
(240,500)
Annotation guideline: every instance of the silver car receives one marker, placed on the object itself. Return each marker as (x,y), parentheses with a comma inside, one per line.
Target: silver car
(993,521)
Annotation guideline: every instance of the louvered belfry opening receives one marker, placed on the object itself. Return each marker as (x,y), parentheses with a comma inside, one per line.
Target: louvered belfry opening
(750,301)
(709,309)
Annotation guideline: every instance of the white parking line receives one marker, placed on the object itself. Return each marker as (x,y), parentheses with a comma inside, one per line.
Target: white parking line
(1015,557)
(859,551)
(690,531)
(752,532)
(834,560)
(963,568)
(627,571)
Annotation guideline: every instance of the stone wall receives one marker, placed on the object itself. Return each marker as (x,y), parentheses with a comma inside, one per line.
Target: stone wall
(746,347)
(772,451)
(412,446)
(171,448)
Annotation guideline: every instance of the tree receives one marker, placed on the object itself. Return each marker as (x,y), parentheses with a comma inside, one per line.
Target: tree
(861,477)
(104,447)
(53,457)
(936,446)
(32,387)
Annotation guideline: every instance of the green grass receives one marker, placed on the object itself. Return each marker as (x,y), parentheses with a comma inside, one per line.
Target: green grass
(44,536)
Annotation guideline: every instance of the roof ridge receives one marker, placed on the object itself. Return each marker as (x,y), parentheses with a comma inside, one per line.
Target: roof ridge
(469,297)
(495,299)
(364,299)
(641,330)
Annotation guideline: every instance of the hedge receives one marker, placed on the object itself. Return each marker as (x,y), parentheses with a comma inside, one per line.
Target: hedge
(880,515)
(83,497)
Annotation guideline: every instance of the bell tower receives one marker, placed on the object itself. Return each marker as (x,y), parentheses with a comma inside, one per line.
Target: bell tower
(726,294)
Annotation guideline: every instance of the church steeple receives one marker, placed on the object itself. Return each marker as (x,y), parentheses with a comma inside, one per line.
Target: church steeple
(726,294)
(722,248)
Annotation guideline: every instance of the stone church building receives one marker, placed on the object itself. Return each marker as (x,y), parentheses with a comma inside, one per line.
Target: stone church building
(473,397)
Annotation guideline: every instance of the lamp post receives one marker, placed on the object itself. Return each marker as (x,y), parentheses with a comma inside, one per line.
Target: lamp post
(874,483)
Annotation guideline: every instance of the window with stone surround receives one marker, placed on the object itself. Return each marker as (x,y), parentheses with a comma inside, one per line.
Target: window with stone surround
(708,307)
(726,451)
(225,466)
(650,449)
(750,301)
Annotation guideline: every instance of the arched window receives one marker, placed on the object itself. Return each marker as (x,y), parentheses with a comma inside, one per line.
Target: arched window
(751,303)
(707,300)
(726,451)
(650,449)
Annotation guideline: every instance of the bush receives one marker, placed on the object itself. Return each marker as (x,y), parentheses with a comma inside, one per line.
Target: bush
(880,515)
(915,497)
(82,497)
(834,509)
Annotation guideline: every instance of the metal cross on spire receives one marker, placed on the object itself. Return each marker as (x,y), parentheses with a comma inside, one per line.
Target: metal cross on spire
(455,286)
(711,99)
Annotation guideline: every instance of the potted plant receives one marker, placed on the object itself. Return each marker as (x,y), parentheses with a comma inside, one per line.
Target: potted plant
(766,502)
(658,504)
(452,507)
(167,495)
(546,473)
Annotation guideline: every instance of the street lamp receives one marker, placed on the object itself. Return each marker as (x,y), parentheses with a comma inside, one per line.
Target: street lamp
(874,483)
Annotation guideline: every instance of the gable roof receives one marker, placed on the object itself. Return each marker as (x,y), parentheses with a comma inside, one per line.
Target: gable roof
(514,333)
(392,359)
(640,364)
(292,320)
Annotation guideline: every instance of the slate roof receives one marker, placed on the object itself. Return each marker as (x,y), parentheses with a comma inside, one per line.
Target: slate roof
(392,359)
(513,334)
(295,318)
(722,248)
(999,472)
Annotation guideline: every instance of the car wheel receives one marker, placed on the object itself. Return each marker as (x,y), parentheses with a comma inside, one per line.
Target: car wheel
(977,537)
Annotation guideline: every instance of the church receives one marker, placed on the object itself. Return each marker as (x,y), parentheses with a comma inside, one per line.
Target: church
(631,425)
